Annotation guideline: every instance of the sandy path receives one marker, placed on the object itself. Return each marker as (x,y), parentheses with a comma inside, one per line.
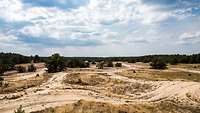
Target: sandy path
(49,94)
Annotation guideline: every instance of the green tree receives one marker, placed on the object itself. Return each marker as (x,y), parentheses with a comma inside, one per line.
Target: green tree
(158,64)
(55,63)
(174,61)
(36,59)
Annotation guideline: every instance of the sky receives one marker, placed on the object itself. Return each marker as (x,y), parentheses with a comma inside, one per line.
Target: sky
(100,27)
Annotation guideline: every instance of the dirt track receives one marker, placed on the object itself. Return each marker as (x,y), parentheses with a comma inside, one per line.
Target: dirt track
(55,93)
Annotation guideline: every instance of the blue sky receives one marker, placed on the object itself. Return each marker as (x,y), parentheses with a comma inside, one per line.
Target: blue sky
(100,27)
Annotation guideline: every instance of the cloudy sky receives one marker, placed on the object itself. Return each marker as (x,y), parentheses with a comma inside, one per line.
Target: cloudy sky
(100,27)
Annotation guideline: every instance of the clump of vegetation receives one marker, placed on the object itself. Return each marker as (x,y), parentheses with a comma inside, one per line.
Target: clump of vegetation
(28,68)
(158,64)
(1,78)
(55,63)
(174,61)
(132,61)
(1,81)
(100,65)
(118,64)
(36,59)
(21,69)
(19,110)
(74,63)
(31,68)
(109,64)
(93,62)
(2,70)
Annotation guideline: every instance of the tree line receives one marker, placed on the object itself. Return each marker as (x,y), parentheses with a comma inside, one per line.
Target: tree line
(9,60)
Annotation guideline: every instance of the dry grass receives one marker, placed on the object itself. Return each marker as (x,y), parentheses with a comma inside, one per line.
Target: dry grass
(100,82)
(90,79)
(20,85)
(130,88)
(150,74)
(37,65)
(101,107)
(186,66)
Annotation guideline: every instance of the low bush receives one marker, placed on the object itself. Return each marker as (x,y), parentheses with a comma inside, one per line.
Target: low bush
(132,61)
(77,64)
(19,110)
(118,65)
(1,81)
(100,65)
(109,64)
(93,62)
(158,64)
(2,70)
(20,69)
(1,78)
(31,68)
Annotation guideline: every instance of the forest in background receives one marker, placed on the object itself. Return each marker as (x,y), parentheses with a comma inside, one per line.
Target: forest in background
(9,60)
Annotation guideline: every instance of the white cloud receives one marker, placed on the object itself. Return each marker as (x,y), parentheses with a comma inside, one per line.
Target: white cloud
(87,21)
(7,38)
(190,35)
(9,9)
(189,38)
(97,11)
(109,22)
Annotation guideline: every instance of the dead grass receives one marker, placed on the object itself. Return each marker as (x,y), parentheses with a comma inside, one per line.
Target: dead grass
(101,107)
(186,66)
(150,74)
(90,79)
(37,65)
(100,82)
(20,85)
(130,88)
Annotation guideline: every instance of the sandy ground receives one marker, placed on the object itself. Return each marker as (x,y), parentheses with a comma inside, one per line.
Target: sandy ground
(55,93)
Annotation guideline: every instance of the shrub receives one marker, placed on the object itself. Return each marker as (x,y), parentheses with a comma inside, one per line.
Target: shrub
(20,69)
(1,81)
(55,63)
(109,64)
(86,64)
(77,64)
(19,110)
(158,64)
(93,62)
(31,68)
(2,69)
(118,65)
(174,61)
(1,78)
(132,61)
(100,65)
